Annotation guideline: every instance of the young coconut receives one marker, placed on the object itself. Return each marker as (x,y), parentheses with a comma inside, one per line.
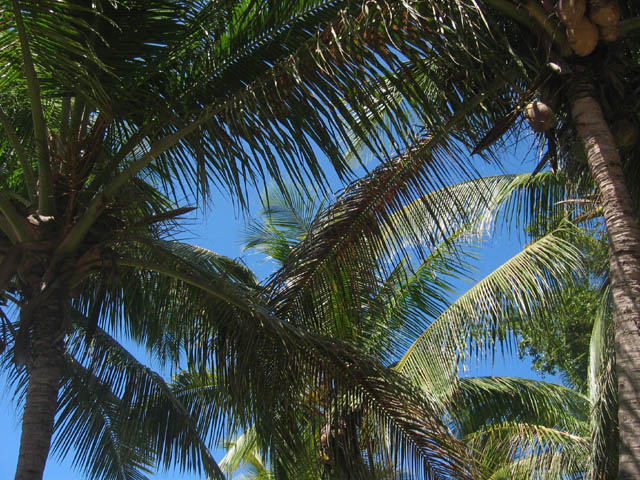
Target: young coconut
(604,12)
(539,116)
(571,11)
(583,37)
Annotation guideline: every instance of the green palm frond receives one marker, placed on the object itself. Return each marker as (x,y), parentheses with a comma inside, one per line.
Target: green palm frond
(539,202)
(231,91)
(529,450)
(366,227)
(254,351)
(603,389)
(243,449)
(111,401)
(371,221)
(412,297)
(90,423)
(478,319)
(286,219)
(480,401)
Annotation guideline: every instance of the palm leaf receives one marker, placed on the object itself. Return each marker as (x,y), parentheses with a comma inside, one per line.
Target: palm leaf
(519,288)
(603,392)
(481,401)
(111,401)
(529,450)
(250,350)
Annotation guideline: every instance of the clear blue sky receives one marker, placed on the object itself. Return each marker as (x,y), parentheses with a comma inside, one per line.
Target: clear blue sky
(220,232)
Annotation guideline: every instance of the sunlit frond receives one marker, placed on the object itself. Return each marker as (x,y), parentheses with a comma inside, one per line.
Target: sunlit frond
(479,318)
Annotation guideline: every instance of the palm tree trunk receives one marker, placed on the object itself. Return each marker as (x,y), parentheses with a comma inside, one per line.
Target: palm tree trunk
(624,234)
(42,393)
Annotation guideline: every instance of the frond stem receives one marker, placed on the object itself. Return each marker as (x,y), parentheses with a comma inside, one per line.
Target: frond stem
(205,286)
(76,117)
(533,10)
(45,197)
(630,26)
(64,118)
(80,230)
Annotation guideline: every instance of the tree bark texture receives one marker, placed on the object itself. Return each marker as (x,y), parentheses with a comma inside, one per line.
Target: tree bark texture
(624,235)
(47,351)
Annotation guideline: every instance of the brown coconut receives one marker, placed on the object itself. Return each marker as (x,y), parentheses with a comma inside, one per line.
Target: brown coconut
(571,11)
(604,12)
(609,33)
(539,116)
(583,37)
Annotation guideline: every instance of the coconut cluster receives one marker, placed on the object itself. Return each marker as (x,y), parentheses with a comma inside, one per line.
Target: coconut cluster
(586,26)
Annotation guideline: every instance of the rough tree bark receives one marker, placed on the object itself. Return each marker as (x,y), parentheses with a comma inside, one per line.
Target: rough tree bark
(42,392)
(624,234)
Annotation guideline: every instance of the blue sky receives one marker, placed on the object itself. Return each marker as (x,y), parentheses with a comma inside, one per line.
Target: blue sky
(220,231)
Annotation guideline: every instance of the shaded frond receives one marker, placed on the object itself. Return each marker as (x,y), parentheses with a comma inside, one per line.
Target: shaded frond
(520,450)
(481,401)
(112,402)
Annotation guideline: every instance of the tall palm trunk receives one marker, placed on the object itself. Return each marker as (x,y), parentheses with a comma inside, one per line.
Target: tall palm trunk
(42,392)
(624,234)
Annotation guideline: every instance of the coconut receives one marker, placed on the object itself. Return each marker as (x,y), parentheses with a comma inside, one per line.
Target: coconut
(604,12)
(583,37)
(571,11)
(539,116)
(625,133)
(324,441)
(609,33)
(322,457)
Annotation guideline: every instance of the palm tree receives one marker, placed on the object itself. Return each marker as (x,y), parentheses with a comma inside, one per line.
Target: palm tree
(112,113)
(513,427)
(519,428)
(573,80)
(326,405)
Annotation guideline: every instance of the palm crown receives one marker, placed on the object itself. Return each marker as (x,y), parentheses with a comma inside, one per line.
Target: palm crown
(512,427)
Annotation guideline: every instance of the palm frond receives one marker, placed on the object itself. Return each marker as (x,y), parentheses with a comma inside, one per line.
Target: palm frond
(114,404)
(243,449)
(367,227)
(250,350)
(230,92)
(285,220)
(480,318)
(603,387)
(89,425)
(529,450)
(480,401)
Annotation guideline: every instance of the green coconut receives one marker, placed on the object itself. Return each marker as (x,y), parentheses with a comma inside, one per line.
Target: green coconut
(539,116)
(583,37)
